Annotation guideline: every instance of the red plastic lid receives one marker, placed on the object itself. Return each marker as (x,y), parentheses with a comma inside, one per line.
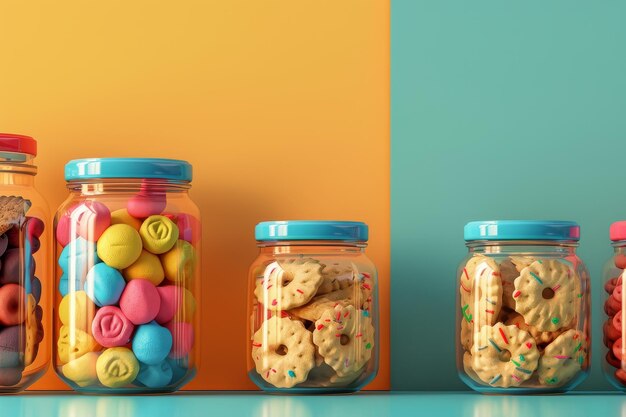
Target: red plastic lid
(618,231)
(10,142)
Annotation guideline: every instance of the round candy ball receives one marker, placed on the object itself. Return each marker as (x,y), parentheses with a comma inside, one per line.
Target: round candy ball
(76,310)
(12,264)
(92,218)
(11,297)
(119,246)
(10,376)
(151,199)
(4,244)
(77,258)
(111,328)
(152,343)
(179,370)
(104,285)
(11,345)
(155,376)
(35,289)
(63,230)
(147,266)
(117,367)
(74,343)
(183,336)
(140,301)
(34,227)
(66,286)
(176,302)
(620,261)
(179,262)
(82,371)
(189,228)
(159,234)
(121,216)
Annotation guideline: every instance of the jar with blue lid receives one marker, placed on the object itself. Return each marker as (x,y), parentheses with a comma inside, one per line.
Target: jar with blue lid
(313,308)
(127,251)
(523,307)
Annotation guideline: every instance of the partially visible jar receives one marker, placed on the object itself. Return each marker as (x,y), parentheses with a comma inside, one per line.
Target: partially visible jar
(128,276)
(523,306)
(313,307)
(614,355)
(25,273)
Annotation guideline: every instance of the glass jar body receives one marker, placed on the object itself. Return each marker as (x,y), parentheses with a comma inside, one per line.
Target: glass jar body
(613,358)
(127,286)
(26,276)
(523,321)
(313,309)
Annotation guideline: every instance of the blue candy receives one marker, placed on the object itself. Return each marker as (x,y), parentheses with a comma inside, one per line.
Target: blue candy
(64,285)
(180,372)
(155,376)
(152,343)
(77,258)
(104,285)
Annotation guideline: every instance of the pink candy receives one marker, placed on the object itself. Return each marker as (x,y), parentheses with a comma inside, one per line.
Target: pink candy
(188,228)
(170,302)
(183,338)
(140,302)
(150,200)
(111,328)
(92,219)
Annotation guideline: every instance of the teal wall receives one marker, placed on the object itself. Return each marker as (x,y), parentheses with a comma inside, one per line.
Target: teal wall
(500,110)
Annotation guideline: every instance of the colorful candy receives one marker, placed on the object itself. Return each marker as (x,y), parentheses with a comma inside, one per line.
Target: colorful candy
(140,301)
(119,246)
(147,266)
(152,343)
(159,234)
(82,371)
(117,367)
(111,328)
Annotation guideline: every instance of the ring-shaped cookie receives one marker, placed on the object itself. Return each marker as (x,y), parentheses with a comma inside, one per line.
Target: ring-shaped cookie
(283,352)
(547,294)
(481,290)
(504,356)
(289,284)
(563,358)
(345,338)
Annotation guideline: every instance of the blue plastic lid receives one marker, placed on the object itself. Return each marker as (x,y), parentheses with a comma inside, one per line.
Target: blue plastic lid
(95,168)
(522,230)
(311,230)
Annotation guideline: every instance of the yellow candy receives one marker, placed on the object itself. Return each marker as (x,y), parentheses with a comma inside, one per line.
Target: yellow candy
(119,246)
(159,234)
(117,367)
(82,370)
(179,263)
(74,343)
(187,307)
(121,216)
(148,266)
(77,310)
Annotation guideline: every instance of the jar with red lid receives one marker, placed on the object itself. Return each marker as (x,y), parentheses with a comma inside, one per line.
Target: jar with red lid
(25,269)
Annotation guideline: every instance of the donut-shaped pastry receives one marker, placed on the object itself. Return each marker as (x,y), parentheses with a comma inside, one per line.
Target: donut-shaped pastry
(547,294)
(345,338)
(288,284)
(510,269)
(283,352)
(504,356)
(481,291)
(563,358)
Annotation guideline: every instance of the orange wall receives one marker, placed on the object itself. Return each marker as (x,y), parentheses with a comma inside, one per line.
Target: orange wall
(280,105)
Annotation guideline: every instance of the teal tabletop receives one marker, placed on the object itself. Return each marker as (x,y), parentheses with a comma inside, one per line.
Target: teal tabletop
(362,405)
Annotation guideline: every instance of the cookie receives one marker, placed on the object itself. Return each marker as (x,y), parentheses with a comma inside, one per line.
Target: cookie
(481,290)
(540,337)
(547,293)
(283,352)
(289,284)
(467,367)
(563,358)
(332,277)
(504,356)
(314,310)
(508,273)
(12,212)
(345,338)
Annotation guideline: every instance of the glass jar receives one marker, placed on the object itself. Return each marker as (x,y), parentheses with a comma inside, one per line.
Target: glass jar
(313,306)
(614,359)
(128,276)
(523,299)
(25,275)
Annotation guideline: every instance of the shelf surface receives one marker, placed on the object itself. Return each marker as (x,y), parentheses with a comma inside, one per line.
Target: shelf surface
(375,404)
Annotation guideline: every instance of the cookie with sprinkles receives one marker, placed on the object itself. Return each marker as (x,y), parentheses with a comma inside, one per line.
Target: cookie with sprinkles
(504,356)
(289,283)
(542,338)
(334,276)
(481,290)
(547,294)
(563,359)
(510,269)
(283,352)
(345,338)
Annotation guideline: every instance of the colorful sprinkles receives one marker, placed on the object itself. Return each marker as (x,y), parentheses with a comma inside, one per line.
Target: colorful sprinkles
(536,278)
